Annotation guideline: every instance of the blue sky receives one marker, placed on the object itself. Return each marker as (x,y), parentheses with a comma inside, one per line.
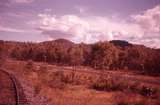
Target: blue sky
(86,21)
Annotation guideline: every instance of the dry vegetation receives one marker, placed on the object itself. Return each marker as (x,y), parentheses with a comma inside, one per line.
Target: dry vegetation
(70,87)
(104,73)
(113,55)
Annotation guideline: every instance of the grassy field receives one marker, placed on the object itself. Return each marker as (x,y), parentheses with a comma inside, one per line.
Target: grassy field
(85,86)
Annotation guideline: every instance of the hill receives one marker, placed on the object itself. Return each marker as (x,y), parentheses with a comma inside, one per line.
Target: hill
(120,43)
(111,55)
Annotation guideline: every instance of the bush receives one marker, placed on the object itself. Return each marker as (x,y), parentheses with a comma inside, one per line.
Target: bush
(29,67)
(43,76)
(29,64)
(2,61)
(42,72)
(56,80)
(113,84)
(110,84)
(127,99)
(37,89)
(147,91)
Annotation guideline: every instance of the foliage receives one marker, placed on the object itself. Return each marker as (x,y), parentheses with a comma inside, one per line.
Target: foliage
(101,55)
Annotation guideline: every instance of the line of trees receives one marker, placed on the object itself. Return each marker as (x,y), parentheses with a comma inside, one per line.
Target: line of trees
(101,55)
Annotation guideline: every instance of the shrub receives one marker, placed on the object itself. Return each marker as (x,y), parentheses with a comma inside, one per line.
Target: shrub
(56,80)
(110,84)
(37,89)
(2,61)
(42,72)
(29,64)
(114,84)
(29,67)
(147,91)
(127,99)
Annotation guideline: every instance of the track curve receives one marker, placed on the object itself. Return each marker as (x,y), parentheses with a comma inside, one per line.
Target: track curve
(11,91)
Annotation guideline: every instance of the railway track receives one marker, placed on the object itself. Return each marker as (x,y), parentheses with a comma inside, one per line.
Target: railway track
(11,92)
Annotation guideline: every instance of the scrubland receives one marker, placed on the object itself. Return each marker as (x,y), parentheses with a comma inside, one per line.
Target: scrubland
(63,85)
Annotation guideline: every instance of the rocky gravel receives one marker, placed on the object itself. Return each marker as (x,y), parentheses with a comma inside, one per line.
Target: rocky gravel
(30,93)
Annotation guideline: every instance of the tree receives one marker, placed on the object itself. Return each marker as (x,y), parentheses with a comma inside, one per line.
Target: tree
(104,55)
(76,55)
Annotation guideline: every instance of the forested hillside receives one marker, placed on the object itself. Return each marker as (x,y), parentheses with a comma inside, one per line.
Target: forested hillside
(113,55)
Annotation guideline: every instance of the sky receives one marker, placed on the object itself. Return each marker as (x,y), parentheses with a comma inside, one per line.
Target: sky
(88,21)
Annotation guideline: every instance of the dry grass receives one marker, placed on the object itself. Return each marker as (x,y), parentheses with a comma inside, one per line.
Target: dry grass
(132,99)
(103,83)
(74,88)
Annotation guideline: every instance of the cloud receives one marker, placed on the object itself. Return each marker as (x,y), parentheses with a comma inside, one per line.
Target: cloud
(149,21)
(8,29)
(23,1)
(4,2)
(57,34)
(86,29)
(142,28)
(81,9)
(4,5)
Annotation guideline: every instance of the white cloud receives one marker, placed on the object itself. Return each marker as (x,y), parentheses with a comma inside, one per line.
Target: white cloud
(81,9)
(144,29)
(149,21)
(9,29)
(86,29)
(48,10)
(23,1)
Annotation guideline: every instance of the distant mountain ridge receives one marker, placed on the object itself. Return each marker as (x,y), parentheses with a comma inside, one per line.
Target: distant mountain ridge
(65,41)
(116,54)
(120,43)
